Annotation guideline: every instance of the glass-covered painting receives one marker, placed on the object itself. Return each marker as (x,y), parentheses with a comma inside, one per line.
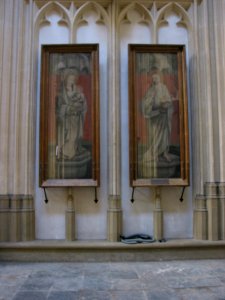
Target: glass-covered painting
(158,115)
(69,134)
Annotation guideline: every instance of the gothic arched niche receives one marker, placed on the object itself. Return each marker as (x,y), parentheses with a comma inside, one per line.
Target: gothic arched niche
(135,19)
(52,21)
(135,26)
(90,21)
(172,25)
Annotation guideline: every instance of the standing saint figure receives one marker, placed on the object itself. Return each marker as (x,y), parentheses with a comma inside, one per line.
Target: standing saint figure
(157,109)
(71,110)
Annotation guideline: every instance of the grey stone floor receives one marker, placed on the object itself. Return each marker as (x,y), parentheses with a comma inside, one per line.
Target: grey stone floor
(197,279)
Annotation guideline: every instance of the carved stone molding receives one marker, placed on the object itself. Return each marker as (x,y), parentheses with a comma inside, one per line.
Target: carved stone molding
(121,3)
(77,3)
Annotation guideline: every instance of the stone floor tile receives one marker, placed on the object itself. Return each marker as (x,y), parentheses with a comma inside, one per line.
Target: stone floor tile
(30,296)
(40,274)
(147,270)
(13,273)
(13,279)
(131,284)
(96,269)
(196,294)
(219,292)
(15,266)
(162,294)
(68,284)
(96,283)
(69,269)
(93,273)
(95,295)
(34,284)
(161,270)
(128,295)
(218,271)
(128,274)
(122,266)
(7,292)
(101,266)
(192,282)
(66,295)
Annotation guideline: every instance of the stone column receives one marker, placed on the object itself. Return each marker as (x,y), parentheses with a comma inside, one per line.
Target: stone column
(17,121)
(200,218)
(114,201)
(221,210)
(27,218)
(70,217)
(4,218)
(15,218)
(217,17)
(6,46)
(158,216)
(208,114)
(211,191)
(114,219)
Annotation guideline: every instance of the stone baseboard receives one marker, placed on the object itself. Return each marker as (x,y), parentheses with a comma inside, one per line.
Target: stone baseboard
(103,251)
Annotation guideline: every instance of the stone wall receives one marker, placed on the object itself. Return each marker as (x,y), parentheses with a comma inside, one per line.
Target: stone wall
(112,24)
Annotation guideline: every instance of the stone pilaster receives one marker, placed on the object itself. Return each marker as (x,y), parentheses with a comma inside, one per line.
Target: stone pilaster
(216,11)
(200,218)
(27,219)
(70,217)
(16,218)
(6,46)
(17,122)
(221,187)
(211,191)
(208,104)
(4,218)
(114,199)
(114,219)
(158,216)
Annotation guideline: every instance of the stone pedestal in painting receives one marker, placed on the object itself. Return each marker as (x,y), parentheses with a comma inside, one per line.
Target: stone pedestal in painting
(78,168)
(161,168)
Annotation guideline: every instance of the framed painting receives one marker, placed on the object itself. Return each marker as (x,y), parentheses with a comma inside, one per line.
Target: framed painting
(158,116)
(69,115)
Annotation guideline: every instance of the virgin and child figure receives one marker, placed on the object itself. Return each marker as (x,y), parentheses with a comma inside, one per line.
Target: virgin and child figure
(71,110)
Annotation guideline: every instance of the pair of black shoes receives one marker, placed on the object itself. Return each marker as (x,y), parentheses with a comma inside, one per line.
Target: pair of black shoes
(138,239)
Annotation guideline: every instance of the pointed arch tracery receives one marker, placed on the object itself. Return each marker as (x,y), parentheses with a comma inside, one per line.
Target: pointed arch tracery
(71,17)
(79,17)
(184,20)
(145,14)
(42,19)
